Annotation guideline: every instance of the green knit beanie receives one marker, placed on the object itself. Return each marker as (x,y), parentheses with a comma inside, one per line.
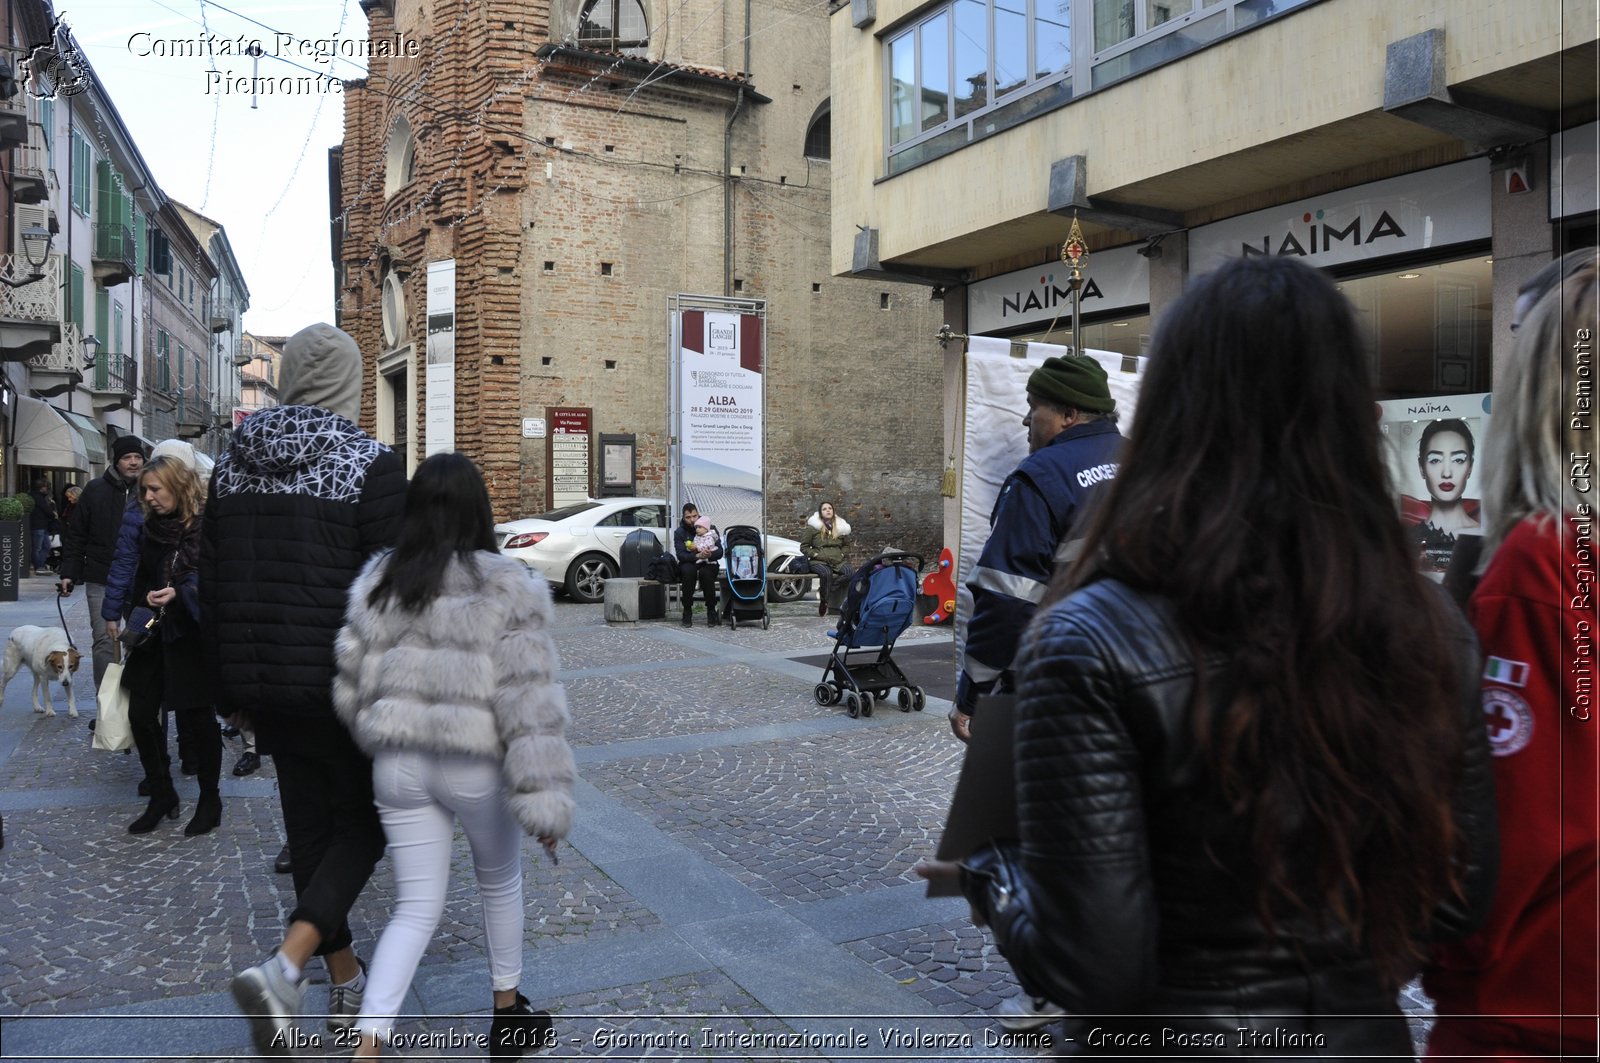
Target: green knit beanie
(1074,380)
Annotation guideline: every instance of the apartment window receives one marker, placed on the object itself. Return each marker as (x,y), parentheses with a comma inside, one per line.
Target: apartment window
(819,134)
(614,26)
(973,56)
(82,175)
(969,69)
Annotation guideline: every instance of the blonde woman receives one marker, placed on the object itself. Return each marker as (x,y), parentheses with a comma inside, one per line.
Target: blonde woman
(1525,984)
(167,668)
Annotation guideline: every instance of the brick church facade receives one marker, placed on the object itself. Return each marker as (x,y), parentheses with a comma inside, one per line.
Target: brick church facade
(582,161)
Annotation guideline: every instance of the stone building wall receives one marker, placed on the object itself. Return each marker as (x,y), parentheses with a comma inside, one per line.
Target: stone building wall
(578,194)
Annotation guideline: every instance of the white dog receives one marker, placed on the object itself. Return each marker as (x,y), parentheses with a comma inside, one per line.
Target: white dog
(46,653)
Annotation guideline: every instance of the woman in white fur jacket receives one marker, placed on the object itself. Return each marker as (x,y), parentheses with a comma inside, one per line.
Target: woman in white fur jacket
(446,676)
(823,543)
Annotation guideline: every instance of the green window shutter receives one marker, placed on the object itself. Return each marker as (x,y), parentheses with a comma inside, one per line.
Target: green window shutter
(47,118)
(102,332)
(75,297)
(139,241)
(105,188)
(117,324)
(82,162)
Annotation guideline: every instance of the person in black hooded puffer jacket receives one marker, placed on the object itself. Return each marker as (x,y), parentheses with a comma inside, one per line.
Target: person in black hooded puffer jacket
(300,501)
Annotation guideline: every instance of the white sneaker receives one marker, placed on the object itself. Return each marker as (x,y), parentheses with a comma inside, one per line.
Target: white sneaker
(344,1002)
(272,1003)
(1023,1012)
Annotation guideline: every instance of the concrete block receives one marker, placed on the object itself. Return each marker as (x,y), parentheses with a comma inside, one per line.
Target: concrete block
(622,600)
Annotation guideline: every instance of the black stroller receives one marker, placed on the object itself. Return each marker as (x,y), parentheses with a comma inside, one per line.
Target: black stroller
(878,609)
(744,581)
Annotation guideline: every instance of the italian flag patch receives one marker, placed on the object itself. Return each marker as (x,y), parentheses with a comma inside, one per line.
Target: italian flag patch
(1511,673)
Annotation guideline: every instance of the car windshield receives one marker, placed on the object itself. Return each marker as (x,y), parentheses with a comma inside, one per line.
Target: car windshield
(566,511)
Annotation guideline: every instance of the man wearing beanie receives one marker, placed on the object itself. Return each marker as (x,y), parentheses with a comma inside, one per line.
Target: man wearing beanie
(1073,443)
(1073,446)
(90,540)
(297,505)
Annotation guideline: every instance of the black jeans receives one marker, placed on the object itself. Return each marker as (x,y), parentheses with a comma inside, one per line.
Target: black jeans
(333,830)
(827,578)
(689,573)
(198,729)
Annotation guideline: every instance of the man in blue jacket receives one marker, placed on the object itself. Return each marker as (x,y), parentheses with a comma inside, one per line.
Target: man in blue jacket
(1073,445)
(1036,523)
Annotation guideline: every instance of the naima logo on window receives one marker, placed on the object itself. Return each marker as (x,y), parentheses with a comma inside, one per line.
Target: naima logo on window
(1320,235)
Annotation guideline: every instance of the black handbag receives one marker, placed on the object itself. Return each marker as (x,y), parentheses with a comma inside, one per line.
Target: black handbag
(143,625)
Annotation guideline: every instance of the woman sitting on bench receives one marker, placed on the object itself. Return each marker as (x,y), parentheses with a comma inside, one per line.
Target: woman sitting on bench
(823,545)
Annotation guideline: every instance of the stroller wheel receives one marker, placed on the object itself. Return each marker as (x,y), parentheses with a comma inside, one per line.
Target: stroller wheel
(766,621)
(866,705)
(905,700)
(852,703)
(823,693)
(918,698)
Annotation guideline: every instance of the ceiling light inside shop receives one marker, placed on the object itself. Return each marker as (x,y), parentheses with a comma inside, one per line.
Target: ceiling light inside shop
(1408,276)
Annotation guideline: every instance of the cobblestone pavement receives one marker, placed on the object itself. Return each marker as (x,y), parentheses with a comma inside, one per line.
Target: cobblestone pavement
(738,884)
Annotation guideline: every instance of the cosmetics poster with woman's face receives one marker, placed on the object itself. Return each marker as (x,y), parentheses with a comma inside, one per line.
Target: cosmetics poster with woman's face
(1433,450)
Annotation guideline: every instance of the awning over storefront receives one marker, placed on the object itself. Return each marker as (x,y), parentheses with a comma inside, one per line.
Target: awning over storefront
(94,437)
(44,438)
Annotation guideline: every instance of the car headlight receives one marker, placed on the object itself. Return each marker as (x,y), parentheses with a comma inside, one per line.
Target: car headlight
(525,539)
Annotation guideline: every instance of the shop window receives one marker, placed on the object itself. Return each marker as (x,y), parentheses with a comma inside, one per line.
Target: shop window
(614,26)
(1428,327)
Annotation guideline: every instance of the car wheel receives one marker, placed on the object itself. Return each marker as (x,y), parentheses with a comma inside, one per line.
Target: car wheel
(586,579)
(785,590)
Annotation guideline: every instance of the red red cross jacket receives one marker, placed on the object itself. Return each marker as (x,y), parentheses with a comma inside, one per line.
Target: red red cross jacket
(1534,960)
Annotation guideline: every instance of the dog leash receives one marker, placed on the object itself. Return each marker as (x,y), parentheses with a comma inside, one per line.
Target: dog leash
(62,614)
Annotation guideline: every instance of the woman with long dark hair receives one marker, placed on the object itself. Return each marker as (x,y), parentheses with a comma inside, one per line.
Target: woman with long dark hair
(1252,780)
(446,676)
(168,669)
(1525,985)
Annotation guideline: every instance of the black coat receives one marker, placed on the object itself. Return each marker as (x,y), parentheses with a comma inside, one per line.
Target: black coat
(300,501)
(185,682)
(90,541)
(1131,891)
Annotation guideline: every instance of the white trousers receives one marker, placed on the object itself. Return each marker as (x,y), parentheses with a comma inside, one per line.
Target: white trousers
(419,798)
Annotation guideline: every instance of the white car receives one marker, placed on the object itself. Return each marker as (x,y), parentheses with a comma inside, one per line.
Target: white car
(579,547)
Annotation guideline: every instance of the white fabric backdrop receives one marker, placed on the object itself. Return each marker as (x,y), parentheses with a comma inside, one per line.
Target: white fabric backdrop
(993,443)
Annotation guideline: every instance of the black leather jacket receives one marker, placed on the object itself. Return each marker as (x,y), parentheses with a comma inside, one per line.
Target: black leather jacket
(1129,892)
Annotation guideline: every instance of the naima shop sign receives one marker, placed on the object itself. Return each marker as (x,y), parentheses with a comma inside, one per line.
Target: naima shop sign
(1117,279)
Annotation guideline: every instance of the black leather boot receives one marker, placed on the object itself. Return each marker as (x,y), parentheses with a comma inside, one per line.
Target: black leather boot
(163,805)
(518,1030)
(207,814)
(688,618)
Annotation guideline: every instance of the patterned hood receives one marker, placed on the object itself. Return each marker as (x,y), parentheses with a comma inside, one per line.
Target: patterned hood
(297,450)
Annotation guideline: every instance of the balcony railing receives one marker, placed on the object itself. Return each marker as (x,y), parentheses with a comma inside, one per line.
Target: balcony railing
(115,253)
(39,301)
(114,374)
(31,175)
(13,111)
(66,357)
